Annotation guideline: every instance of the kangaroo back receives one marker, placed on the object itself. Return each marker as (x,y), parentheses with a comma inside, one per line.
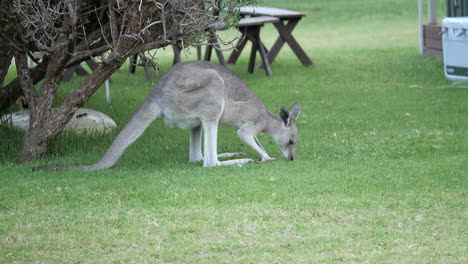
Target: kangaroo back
(241,105)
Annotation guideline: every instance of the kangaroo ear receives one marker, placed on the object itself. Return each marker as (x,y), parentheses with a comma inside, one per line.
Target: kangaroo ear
(284,114)
(295,110)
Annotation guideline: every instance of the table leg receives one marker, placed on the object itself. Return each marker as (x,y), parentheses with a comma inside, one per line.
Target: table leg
(68,74)
(238,48)
(285,31)
(264,56)
(92,64)
(214,44)
(177,58)
(253,52)
(253,34)
(218,51)
(208,51)
(199,53)
(279,42)
(148,73)
(133,62)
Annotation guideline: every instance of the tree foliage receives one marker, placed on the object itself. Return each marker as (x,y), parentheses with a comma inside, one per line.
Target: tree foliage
(59,34)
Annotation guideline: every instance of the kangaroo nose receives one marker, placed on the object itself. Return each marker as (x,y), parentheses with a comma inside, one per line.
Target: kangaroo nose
(291,158)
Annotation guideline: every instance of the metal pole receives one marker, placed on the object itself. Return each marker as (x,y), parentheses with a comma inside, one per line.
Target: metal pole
(107,85)
(432,9)
(108,99)
(421,33)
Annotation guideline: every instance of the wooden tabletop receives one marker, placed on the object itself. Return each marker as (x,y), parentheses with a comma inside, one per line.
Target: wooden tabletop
(269,11)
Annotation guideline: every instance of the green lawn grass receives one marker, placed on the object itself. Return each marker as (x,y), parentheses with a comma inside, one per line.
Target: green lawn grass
(380,175)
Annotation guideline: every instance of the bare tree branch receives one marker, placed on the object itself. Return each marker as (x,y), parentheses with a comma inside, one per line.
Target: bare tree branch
(67,32)
(113,22)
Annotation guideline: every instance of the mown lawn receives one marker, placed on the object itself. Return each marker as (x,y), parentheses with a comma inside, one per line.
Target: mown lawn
(380,174)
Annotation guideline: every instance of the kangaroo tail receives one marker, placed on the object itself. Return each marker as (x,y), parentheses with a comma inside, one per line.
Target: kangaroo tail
(148,112)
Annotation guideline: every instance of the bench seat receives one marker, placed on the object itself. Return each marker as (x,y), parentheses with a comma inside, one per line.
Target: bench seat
(256,21)
(269,11)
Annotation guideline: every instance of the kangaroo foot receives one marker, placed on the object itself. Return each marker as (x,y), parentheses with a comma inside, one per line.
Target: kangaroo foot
(230,155)
(236,161)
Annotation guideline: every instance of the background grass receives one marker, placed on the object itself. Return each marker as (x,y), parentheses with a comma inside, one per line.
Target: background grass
(380,175)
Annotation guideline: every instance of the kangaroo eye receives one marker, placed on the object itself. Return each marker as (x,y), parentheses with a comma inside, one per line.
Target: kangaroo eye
(290,142)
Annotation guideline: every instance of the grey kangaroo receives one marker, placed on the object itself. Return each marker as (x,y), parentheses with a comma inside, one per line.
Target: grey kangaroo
(200,94)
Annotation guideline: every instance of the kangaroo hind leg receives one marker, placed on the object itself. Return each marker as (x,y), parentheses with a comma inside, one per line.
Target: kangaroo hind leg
(195,145)
(210,129)
(196,150)
(230,155)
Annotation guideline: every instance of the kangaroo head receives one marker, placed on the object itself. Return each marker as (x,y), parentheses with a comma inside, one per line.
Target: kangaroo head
(287,136)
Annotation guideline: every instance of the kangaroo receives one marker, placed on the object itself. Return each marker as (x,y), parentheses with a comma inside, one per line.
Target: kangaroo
(202,94)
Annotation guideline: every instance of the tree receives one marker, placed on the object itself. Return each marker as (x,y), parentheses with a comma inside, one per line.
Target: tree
(63,33)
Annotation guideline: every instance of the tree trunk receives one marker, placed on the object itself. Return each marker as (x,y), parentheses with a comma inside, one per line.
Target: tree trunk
(141,26)
(46,125)
(35,144)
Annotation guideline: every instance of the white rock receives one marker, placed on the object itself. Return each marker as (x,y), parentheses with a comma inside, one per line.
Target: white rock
(84,121)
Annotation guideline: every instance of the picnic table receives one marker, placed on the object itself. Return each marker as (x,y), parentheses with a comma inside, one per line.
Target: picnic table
(250,29)
(284,21)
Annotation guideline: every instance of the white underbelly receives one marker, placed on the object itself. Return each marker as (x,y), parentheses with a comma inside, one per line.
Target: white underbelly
(181,122)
